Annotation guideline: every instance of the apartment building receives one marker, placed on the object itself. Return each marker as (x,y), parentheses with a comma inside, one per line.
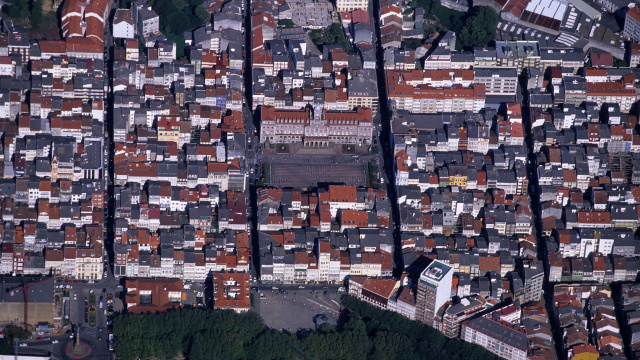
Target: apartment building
(146,20)
(231,291)
(350,5)
(631,29)
(497,80)
(497,337)
(434,290)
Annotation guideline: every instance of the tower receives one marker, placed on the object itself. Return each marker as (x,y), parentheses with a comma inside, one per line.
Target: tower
(434,289)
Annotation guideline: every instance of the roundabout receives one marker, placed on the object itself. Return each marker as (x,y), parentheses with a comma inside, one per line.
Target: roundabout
(77,350)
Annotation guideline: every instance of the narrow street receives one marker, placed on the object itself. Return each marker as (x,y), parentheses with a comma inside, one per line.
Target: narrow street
(252,124)
(534,198)
(386,143)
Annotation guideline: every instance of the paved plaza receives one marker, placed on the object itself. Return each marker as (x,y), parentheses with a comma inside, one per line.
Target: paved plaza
(296,308)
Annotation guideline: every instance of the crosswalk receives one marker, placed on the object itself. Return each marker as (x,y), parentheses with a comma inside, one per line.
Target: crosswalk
(45,347)
(89,331)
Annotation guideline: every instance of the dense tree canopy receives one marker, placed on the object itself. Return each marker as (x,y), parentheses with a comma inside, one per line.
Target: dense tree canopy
(12,332)
(25,9)
(364,333)
(475,28)
(479,27)
(178,16)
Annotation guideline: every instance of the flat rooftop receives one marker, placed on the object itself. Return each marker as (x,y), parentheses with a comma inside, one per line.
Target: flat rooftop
(309,175)
(435,271)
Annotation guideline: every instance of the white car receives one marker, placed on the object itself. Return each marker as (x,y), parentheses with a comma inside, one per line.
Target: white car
(54,342)
(23,344)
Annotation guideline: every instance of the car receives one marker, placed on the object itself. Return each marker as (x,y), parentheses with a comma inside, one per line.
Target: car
(75,296)
(54,342)
(47,339)
(23,344)
(38,339)
(99,338)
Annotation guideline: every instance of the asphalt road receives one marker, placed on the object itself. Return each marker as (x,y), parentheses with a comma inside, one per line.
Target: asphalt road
(98,335)
(56,345)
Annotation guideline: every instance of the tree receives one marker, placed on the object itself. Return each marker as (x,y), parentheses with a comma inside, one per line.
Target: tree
(286,23)
(203,14)
(620,62)
(11,332)
(368,333)
(13,11)
(411,44)
(336,36)
(36,13)
(180,4)
(479,28)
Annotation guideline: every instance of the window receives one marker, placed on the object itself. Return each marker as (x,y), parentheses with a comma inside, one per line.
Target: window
(145,297)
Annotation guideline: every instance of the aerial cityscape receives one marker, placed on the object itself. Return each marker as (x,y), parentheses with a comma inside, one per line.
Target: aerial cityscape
(319,179)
